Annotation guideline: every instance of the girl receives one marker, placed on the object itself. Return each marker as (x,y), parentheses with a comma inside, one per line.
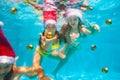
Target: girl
(49,40)
(71,32)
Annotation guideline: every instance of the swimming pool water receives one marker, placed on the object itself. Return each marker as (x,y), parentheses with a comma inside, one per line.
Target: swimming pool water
(23,28)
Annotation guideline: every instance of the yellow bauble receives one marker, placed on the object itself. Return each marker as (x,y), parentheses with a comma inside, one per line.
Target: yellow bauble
(105,70)
(108,21)
(93,47)
(89,8)
(13,10)
(29,46)
(49,35)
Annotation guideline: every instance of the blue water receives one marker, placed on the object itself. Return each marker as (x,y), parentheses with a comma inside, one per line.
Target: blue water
(24,27)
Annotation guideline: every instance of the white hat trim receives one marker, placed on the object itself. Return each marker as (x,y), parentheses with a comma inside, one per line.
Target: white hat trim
(1,24)
(74,12)
(50,21)
(6,59)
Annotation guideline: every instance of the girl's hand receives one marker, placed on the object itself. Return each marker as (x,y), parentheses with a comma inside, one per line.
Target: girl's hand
(96,27)
(85,30)
(55,53)
(62,55)
(84,7)
(42,39)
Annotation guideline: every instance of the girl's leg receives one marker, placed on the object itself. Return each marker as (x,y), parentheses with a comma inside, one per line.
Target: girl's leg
(63,61)
(39,70)
(36,59)
(16,77)
(36,63)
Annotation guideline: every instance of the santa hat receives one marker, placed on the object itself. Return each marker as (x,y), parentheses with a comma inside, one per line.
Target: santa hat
(7,54)
(49,1)
(73,12)
(74,1)
(49,17)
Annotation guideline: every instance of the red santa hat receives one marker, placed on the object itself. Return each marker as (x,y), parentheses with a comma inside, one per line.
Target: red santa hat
(73,12)
(49,1)
(49,17)
(74,1)
(7,54)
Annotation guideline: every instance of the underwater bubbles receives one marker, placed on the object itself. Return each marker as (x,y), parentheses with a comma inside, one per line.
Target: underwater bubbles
(105,70)
(93,47)
(108,21)
(29,46)
(13,10)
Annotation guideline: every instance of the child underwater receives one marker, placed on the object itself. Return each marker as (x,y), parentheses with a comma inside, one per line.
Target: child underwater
(71,32)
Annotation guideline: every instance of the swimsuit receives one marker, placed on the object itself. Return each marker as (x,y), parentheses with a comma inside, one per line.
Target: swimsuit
(43,52)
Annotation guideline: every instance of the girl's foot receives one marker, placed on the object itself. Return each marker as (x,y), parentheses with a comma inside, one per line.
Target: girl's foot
(62,55)
(45,78)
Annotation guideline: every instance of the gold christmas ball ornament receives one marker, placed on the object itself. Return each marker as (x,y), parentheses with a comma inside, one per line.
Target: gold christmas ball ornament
(105,70)
(108,21)
(93,47)
(29,46)
(49,35)
(89,8)
(13,10)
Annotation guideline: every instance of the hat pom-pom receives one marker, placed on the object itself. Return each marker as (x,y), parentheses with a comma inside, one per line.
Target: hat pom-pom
(1,24)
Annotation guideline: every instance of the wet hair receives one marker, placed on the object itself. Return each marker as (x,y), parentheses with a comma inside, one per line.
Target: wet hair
(9,75)
(66,29)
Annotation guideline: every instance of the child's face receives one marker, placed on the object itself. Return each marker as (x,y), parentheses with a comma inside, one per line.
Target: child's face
(51,28)
(5,69)
(73,21)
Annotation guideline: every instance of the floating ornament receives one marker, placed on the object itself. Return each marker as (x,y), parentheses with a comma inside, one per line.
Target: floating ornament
(49,35)
(29,46)
(89,8)
(93,47)
(105,70)
(108,21)
(13,10)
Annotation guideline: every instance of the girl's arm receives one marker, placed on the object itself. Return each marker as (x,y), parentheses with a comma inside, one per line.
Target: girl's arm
(85,30)
(23,70)
(35,5)
(91,29)
(84,5)
(18,71)
(61,51)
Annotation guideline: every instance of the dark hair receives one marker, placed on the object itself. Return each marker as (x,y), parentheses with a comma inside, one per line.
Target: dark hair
(9,75)
(66,29)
